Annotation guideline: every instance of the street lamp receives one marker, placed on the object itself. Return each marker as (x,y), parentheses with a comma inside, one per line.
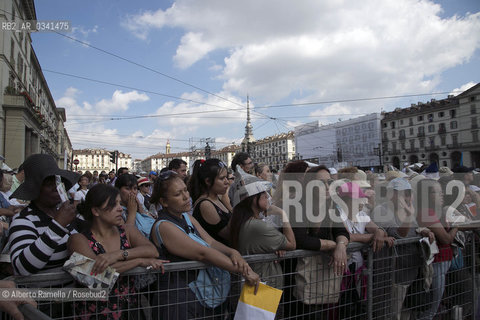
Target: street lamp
(379,153)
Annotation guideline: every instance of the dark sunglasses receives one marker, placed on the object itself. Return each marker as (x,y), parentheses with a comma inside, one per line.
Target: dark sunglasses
(221,164)
(328,182)
(167,175)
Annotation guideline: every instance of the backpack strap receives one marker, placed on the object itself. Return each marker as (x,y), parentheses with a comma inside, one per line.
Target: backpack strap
(157,232)
(192,234)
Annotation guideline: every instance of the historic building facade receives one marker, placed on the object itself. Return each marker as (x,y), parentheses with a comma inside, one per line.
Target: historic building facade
(435,131)
(275,150)
(99,159)
(30,122)
(352,142)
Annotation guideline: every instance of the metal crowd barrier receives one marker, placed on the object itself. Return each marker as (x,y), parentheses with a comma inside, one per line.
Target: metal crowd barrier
(309,289)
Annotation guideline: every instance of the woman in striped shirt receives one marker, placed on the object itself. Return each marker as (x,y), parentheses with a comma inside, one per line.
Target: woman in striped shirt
(38,235)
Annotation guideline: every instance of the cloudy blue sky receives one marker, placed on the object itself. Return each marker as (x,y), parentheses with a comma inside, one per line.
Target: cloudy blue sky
(144,72)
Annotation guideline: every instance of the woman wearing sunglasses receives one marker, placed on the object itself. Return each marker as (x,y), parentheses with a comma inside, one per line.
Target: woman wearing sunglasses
(207,187)
(173,235)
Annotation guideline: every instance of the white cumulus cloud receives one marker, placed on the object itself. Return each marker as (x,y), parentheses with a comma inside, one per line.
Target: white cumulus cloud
(464,87)
(322,49)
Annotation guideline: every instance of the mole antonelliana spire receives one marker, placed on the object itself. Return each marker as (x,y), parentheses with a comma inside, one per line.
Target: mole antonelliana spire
(248,139)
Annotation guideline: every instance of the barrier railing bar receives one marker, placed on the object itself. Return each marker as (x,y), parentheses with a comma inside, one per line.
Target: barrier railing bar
(474,311)
(192,265)
(370,285)
(30,312)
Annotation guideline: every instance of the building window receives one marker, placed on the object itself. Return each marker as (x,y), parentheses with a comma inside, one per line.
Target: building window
(454,139)
(412,144)
(394,146)
(430,117)
(392,125)
(411,131)
(401,134)
(453,125)
(385,125)
(431,128)
(473,109)
(422,143)
(420,118)
(431,141)
(401,121)
(410,122)
(442,139)
(402,144)
(12,52)
(393,134)
(452,113)
(441,114)
(475,135)
(474,123)
(385,136)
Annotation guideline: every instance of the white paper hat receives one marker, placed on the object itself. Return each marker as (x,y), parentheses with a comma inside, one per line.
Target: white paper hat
(247,185)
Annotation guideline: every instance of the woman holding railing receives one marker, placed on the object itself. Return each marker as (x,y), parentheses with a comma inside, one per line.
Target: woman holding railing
(318,278)
(111,242)
(250,234)
(180,237)
(429,204)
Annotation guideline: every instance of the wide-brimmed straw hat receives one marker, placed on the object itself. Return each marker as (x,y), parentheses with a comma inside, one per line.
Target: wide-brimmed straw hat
(37,167)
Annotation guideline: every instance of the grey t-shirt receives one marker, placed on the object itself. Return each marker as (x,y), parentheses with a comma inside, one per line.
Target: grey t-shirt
(256,237)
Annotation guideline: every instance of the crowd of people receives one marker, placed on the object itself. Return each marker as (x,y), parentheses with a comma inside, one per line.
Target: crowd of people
(216,214)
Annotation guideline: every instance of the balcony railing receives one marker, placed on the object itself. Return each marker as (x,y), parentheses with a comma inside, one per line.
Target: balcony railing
(455,145)
(393,152)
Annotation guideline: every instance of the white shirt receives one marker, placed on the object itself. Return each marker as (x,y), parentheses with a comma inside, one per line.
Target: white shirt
(357,227)
(72,190)
(80,195)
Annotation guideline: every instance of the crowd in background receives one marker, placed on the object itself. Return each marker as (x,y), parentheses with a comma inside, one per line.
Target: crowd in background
(216,213)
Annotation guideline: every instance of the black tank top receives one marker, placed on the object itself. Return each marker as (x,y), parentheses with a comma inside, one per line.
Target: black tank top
(213,229)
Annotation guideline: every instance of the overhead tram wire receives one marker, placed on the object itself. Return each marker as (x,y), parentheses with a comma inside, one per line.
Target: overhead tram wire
(355,100)
(223,98)
(150,116)
(143,90)
(151,69)
(146,68)
(136,137)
